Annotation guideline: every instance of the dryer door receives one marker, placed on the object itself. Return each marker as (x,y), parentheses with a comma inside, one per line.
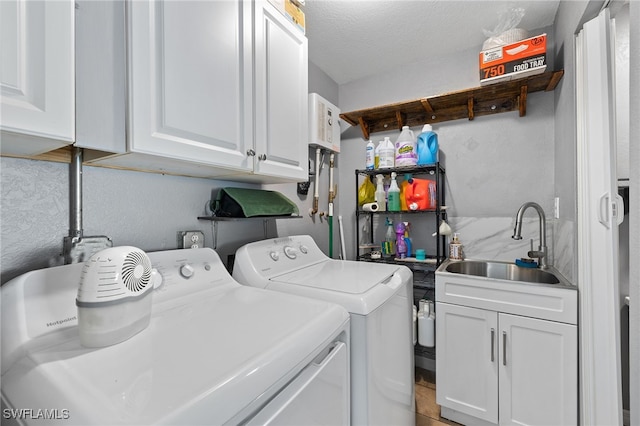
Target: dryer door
(318,396)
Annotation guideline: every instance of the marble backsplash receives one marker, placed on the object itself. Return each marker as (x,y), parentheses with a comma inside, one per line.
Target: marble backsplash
(489,238)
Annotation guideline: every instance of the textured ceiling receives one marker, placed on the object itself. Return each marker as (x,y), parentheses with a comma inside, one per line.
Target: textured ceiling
(351,39)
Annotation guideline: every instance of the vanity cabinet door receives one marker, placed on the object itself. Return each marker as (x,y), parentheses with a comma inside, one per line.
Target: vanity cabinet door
(467,360)
(190,81)
(538,371)
(37,77)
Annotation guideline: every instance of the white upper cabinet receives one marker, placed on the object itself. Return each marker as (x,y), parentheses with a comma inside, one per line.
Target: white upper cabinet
(215,89)
(190,87)
(37,77)
(281,76)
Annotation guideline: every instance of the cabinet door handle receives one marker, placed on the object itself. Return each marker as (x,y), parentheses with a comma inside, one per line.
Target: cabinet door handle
(251,152)
(262,157)
(504,348)
(493,339)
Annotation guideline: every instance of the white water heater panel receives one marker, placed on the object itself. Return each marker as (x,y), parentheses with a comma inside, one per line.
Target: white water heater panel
(324,126)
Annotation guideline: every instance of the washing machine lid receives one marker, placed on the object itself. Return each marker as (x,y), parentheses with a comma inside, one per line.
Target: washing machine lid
(359,286)
(221,353)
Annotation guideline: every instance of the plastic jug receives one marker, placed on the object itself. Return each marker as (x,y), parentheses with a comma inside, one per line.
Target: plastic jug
(405,149)
(420,194)
(427,146)
(387,154)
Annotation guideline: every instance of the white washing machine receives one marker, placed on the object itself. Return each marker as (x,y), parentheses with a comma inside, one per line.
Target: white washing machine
(379,298)
(215,352)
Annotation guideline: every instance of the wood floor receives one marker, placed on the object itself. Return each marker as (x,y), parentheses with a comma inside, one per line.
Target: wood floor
(427,411)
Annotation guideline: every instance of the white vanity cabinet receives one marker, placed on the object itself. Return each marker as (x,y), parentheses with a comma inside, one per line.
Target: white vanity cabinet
(215,89)
(496,365)
(37,78)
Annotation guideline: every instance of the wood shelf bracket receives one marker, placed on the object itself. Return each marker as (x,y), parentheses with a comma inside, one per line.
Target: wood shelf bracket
(522,100)
(364,127)
(427,107)
(401,119)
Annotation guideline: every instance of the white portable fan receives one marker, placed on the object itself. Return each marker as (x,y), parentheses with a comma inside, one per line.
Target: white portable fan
(114,296)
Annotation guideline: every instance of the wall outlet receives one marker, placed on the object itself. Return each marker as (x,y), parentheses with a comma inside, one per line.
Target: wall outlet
(556,208)
(191,239)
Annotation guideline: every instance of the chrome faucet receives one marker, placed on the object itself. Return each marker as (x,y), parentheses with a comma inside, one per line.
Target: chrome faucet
(541,253)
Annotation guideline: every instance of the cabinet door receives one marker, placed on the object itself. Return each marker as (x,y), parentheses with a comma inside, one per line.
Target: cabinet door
(281,98)
(467,360)
(538,372)
(190,81)
(37,75)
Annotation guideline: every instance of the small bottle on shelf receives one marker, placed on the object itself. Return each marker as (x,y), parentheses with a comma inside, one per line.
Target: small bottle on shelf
(389,240)
(370,156)
(380,195)
(401,245)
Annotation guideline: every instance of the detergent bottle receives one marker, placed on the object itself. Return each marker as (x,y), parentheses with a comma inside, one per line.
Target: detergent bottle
(418,194)
(427,146)
(407,239)
(393,195)
(405,149)
(370,155)
(387,154)
(380,195)
(401,246)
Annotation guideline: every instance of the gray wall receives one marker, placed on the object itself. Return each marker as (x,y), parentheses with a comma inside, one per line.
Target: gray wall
(145,210)
(316,226)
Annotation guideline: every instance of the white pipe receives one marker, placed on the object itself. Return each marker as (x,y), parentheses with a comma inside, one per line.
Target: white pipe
(343,251)
(316,187)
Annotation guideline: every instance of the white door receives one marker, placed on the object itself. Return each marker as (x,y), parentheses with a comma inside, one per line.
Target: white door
(190,81)
(281,98)
(37,76)
(538,372)
(598,214)
(467,360)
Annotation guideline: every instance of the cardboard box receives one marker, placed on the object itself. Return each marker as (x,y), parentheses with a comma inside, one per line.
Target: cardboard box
(292,11)
(516,60)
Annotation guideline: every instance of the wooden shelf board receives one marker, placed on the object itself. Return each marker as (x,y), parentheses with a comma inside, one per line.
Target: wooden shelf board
(470,103)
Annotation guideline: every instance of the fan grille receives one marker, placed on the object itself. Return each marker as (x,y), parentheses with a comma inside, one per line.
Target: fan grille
(136,271)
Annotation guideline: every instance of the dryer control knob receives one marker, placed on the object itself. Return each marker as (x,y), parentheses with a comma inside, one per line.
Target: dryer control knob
(304,249)
(187,271)
(290,252)
(274,255)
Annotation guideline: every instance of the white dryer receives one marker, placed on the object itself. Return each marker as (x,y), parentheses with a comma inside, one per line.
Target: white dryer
(215,352)
(379,298)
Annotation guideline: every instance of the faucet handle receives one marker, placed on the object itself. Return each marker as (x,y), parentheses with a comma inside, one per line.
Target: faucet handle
(531,241)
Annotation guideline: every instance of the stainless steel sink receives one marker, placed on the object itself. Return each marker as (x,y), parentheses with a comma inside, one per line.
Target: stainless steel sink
(501,271)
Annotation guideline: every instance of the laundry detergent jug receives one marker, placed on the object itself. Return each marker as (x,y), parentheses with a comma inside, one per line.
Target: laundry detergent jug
(405,148)
(420,194)
(427,146)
